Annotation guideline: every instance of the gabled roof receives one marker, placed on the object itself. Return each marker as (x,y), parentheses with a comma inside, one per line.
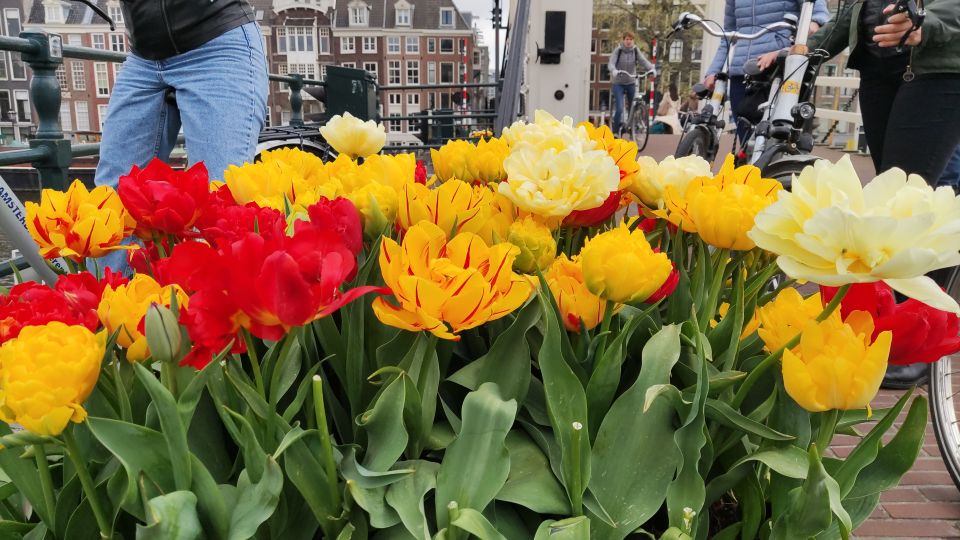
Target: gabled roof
(79,13)
(426,14)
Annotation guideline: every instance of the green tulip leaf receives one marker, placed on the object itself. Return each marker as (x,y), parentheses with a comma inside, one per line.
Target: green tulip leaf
(172,517)
(575,528)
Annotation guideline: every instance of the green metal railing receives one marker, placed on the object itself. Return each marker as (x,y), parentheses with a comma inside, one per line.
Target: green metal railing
(50,153)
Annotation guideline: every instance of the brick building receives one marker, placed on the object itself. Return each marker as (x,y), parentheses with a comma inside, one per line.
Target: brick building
(16,118)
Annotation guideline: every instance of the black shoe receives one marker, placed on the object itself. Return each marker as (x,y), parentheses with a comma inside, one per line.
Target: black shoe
(903,377)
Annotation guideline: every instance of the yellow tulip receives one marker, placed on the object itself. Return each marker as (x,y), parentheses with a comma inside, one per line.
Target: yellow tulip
(353,137)
(463,160)
(623,152)
(456,204)
(125,307)
(445,287)
(721,209)
(377,204)
(78,223)
(749,327)
(277,184)
(536,243)
(783,318)
(46,373)
(307,165)
(394,170)
(373,187)
(835,366)
(832,230)
(545,131)
(653,178)
(619,265)
(576,303)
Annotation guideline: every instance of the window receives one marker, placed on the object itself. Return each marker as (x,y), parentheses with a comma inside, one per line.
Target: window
(102,115)
(62,77)
(324,41)
(394,99)
(3,66)
(349,64)
(12,18)
(393,44)
(282,68)
(55,13)
(393,72)
(446,45)
(605,47)
(98,42)
(605,99)
(431,45)
(696,51)
(432,100)
(75,40)
(431,73)
(446,17)
(66,123)
(22,97)
(6,108)
(78,76)
(676,51)
(323,72)
(446,72)
(413,72)
(359,15)
(445,100)
(118,43)
(100,74)
(593,45)
(372,68)
(309,71)
(413,99)
(369,44)
(18,71)
(476,58)
(295,39)
(604,72)
(348,45)
(403,16)
(116,13)
(393,125)
(593,72)
(83,115)
(413,44)
(116,70)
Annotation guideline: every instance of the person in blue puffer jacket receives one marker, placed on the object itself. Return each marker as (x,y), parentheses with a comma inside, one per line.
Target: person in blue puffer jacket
(749,16)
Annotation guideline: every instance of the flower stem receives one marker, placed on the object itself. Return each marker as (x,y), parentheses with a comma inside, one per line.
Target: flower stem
(255,362)
(828,425)
(325,442)
(576,489)
(604,328)
(86,482)
(765,364)
(46,482)
(168,374)
(713,296)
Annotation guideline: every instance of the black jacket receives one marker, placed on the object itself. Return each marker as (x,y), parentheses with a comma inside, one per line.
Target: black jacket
(160,29)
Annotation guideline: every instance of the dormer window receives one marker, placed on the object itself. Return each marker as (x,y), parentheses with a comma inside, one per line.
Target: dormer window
(359,14)
(115,12)
(446,18)
(404,11)
(55,12)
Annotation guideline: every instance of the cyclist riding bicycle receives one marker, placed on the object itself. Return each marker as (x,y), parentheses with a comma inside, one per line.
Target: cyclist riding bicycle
(623,71)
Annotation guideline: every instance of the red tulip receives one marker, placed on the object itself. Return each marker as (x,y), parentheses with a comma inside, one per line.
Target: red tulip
(338,215)
(163,200)
(420,174)
(594,216)
(666,289)
(920,333)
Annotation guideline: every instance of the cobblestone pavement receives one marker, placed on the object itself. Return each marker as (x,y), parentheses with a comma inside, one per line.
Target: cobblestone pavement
(926,504)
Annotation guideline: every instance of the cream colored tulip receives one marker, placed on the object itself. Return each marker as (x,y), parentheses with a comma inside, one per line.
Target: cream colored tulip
(351,136)
(653,178)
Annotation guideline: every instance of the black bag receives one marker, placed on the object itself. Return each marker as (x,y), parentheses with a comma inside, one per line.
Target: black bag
(756,94)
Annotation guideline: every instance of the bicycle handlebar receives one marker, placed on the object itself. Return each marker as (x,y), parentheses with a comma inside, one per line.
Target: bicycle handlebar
(688,20)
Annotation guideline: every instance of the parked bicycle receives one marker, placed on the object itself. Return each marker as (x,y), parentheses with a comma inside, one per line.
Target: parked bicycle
(944,390)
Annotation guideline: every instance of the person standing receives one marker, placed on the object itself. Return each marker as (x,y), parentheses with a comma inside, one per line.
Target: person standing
(909,99)
(623,71)
(749,16)
(211,54)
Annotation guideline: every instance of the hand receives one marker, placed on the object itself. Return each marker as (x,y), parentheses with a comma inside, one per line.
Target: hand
(767,60)
(813,28)
(710,81)
(890,34)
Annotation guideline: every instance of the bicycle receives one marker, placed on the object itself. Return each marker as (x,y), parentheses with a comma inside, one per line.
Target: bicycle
(636,124)
(702,135)
(944,390)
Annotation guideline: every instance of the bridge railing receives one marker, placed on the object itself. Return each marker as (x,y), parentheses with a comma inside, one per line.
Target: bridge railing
(843,109)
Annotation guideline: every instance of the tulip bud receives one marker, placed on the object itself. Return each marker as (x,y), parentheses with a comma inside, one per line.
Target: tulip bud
(537,246)
(163,333)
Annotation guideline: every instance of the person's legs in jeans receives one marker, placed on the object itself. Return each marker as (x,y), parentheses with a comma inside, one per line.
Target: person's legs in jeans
(222,95)
(139,126)
(924,127)
(618,91)
(876,99)
(951,174)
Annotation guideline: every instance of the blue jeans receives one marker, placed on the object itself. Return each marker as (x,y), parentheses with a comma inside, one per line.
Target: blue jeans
(221,90)
(221,102)
(619,91)
(951,175)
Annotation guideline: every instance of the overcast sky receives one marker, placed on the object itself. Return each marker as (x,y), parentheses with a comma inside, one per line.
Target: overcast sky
(481,10)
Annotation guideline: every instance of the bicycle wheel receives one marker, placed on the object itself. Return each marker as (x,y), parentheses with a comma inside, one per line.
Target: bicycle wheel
(639,127)
(784,167)
(695,142)
(944,391)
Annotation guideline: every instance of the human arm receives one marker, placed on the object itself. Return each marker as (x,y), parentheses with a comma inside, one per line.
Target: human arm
(612,63)
(729,24)
(942,23)
(834,36)
(642,62)
(821,14)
